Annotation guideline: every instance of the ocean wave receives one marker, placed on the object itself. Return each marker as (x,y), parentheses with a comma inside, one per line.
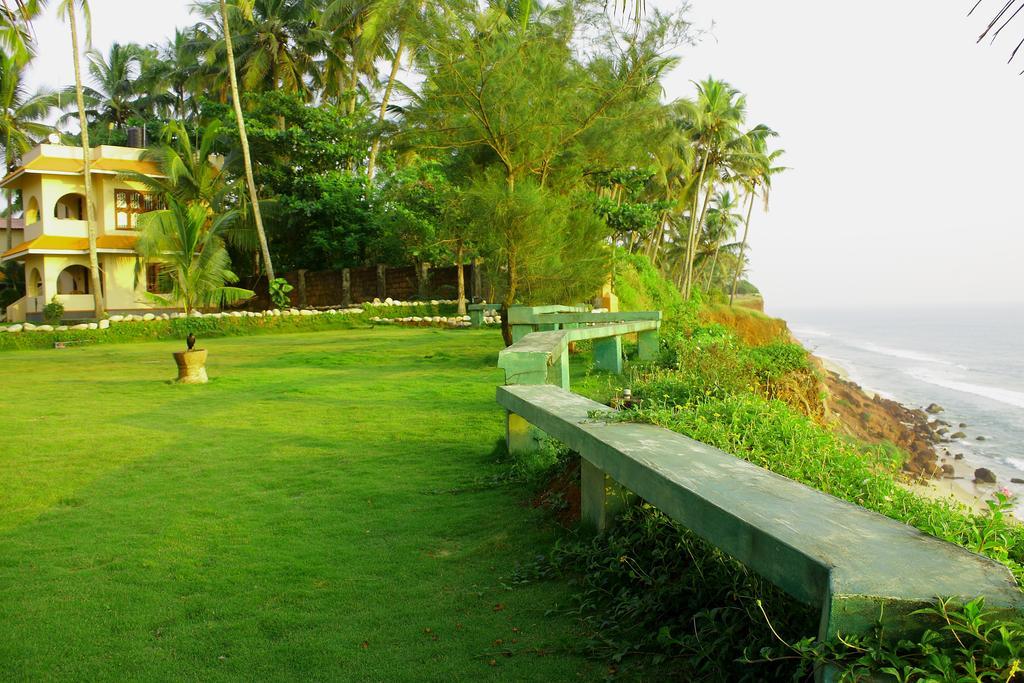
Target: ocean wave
(905,354)
(809,331)
(1000,394)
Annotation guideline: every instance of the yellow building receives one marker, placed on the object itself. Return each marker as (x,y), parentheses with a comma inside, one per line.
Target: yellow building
(55,245)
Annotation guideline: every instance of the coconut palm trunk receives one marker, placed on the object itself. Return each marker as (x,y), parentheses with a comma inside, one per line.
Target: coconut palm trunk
(460,250)
(244,141)
(396,63)
(714,264)
(90,218)
(10,196)
(743,249)
(694,224)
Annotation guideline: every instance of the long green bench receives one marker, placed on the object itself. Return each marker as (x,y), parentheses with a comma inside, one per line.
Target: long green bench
(543,357)
(527,319)
(853,563)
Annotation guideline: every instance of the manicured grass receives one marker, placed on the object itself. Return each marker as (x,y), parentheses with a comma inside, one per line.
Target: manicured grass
(299,518)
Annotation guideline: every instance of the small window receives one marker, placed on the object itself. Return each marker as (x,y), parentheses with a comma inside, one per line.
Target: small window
(157,281)
(129,204)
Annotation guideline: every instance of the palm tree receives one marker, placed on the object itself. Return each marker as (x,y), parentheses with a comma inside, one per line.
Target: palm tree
(187,174)
(275,42)
(22,117)
(17,39)
(722,220)
(190,254)
(67,11)
(758,178)
(712,125)
(394,19)
(179,59)
(244,139)
(115,92)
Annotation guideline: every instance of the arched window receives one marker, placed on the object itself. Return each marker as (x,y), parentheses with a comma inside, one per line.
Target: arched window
(70,207)
(34,283)
(32,211)
(73,280)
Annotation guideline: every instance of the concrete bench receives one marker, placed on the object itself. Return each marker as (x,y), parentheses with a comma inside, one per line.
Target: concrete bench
(527,319)
(821,550)
(543,357)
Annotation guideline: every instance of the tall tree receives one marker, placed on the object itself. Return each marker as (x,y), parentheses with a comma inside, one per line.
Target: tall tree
(17,38)
(722,220)
(67,11)
(22,121)
(757,178)
(246,6)
(712,124)
(539,116)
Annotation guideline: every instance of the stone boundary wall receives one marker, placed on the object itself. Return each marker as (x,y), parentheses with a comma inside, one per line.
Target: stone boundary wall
(349,286)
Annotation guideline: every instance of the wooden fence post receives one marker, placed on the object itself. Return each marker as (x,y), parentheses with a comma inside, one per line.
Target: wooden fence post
(382,281)
(346,287)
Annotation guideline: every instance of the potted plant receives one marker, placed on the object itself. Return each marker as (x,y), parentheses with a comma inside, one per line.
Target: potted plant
(193,263)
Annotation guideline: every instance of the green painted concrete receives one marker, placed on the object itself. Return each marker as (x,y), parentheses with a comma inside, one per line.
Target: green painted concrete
(824,551)
(608,354)
(529,360)
(647,345)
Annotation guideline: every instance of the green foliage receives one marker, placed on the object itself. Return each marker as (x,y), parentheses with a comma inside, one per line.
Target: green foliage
(640,287)
(656,598)
(279,290)
(660,603)
(8,295)
(190,255)
(961,643)
(208,326)
(53,312)
(544,244)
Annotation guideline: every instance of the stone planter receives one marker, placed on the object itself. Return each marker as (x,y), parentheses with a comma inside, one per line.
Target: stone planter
(191,367)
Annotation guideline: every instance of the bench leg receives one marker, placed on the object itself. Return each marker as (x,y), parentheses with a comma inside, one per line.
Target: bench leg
(476,318)
(608,354)
(520,435)
(559,372)
(601,497)
(520,331)
(647,345)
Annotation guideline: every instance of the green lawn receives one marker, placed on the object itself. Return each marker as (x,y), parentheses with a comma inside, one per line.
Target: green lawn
(293,519)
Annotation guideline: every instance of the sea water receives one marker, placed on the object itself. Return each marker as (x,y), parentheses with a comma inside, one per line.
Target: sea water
(969,360)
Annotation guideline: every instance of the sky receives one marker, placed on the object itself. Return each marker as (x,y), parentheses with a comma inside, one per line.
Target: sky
(906,166)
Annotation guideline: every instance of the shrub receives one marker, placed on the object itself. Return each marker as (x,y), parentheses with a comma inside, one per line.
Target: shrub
(53,312)
(279,290)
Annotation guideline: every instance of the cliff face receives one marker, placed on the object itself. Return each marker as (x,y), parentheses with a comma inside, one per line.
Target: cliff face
(874,419)
(824,396)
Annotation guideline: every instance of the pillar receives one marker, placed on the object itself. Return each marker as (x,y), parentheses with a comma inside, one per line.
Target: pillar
(608,354)
(558,374)
(601,497)
(302,288)
(346,287)
(647,345)
(520,435)
(423,280)
(382,281)
(477,292)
